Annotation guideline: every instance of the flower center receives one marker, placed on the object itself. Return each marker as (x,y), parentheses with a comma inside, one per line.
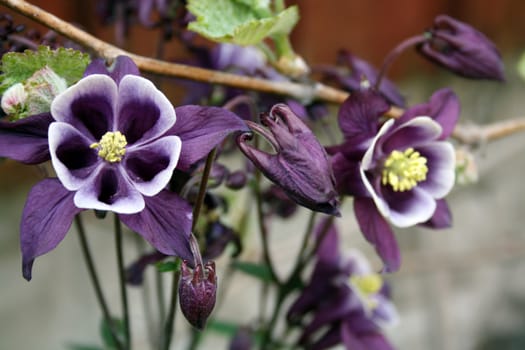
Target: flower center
(367,284)
(112,146)
(403,170)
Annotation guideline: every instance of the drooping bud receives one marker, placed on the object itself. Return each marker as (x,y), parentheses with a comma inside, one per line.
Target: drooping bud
(462,49)
(197,292)
(300,165)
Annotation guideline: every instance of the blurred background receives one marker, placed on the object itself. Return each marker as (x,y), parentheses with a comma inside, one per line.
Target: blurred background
(460,288)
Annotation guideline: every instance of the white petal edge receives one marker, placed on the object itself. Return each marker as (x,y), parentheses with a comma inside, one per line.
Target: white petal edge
(444,175)
(87,199)
(56,132)
(132,86)
(366,164)
(174,145)
(98,84)
(422,210)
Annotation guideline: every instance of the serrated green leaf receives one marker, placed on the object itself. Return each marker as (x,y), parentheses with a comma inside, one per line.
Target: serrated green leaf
(241,22)
(16,67)
(259,271)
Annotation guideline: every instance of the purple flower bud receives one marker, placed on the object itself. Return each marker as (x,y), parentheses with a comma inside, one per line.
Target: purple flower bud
(462,49)
(236,180)
(197,293)
(300,165)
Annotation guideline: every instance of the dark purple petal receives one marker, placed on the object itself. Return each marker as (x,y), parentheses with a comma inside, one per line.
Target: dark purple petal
(351,340)
(359,116)
(165,223)
(443,107)
(122,66)
(375,341)
(88,105)
(135,272)
(25,140)
(143,112)
(377,231)
(47,216)
(442,217)
(151,166)
(328,249)
(347,176)
(201,129)
(73,159)
(362,69)
(109,189)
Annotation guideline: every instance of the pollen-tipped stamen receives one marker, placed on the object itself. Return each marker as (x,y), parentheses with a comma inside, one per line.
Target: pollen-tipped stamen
(404,170)
(112,146)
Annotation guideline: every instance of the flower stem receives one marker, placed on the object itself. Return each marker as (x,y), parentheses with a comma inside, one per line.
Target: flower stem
(392,55)
(86,252)
(170,319)
(122,279)
(146,298)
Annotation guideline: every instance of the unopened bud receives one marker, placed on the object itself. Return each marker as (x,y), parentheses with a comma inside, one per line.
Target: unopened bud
(197,292)
(42,88)
(14,99)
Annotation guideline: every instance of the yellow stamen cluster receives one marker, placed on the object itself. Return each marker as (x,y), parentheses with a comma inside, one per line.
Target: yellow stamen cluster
(403,170)
(112,146)
(368,285)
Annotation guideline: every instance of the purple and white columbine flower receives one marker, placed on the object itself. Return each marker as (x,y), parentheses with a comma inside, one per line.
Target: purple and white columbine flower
(345,301)
(400,171)
(114,141)
(108,142)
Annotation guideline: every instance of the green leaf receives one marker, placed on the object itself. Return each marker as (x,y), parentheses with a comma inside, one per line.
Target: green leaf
(222,327)
(259,271)
(241,22)
(17,67)
(105,332)
(168,266)
(84,347)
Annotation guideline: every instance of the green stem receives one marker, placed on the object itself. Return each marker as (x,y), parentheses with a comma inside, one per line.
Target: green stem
(263,229)
(86,252)
(287,287)
(146,297)
(122,279)
(170,319)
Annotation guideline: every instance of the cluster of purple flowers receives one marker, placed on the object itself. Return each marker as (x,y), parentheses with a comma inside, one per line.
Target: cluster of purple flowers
(115,142)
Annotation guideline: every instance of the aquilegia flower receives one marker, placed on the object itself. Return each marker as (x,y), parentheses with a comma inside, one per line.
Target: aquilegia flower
(344,302)
(400,171)
(300,165)
(462,49)
(114,141)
